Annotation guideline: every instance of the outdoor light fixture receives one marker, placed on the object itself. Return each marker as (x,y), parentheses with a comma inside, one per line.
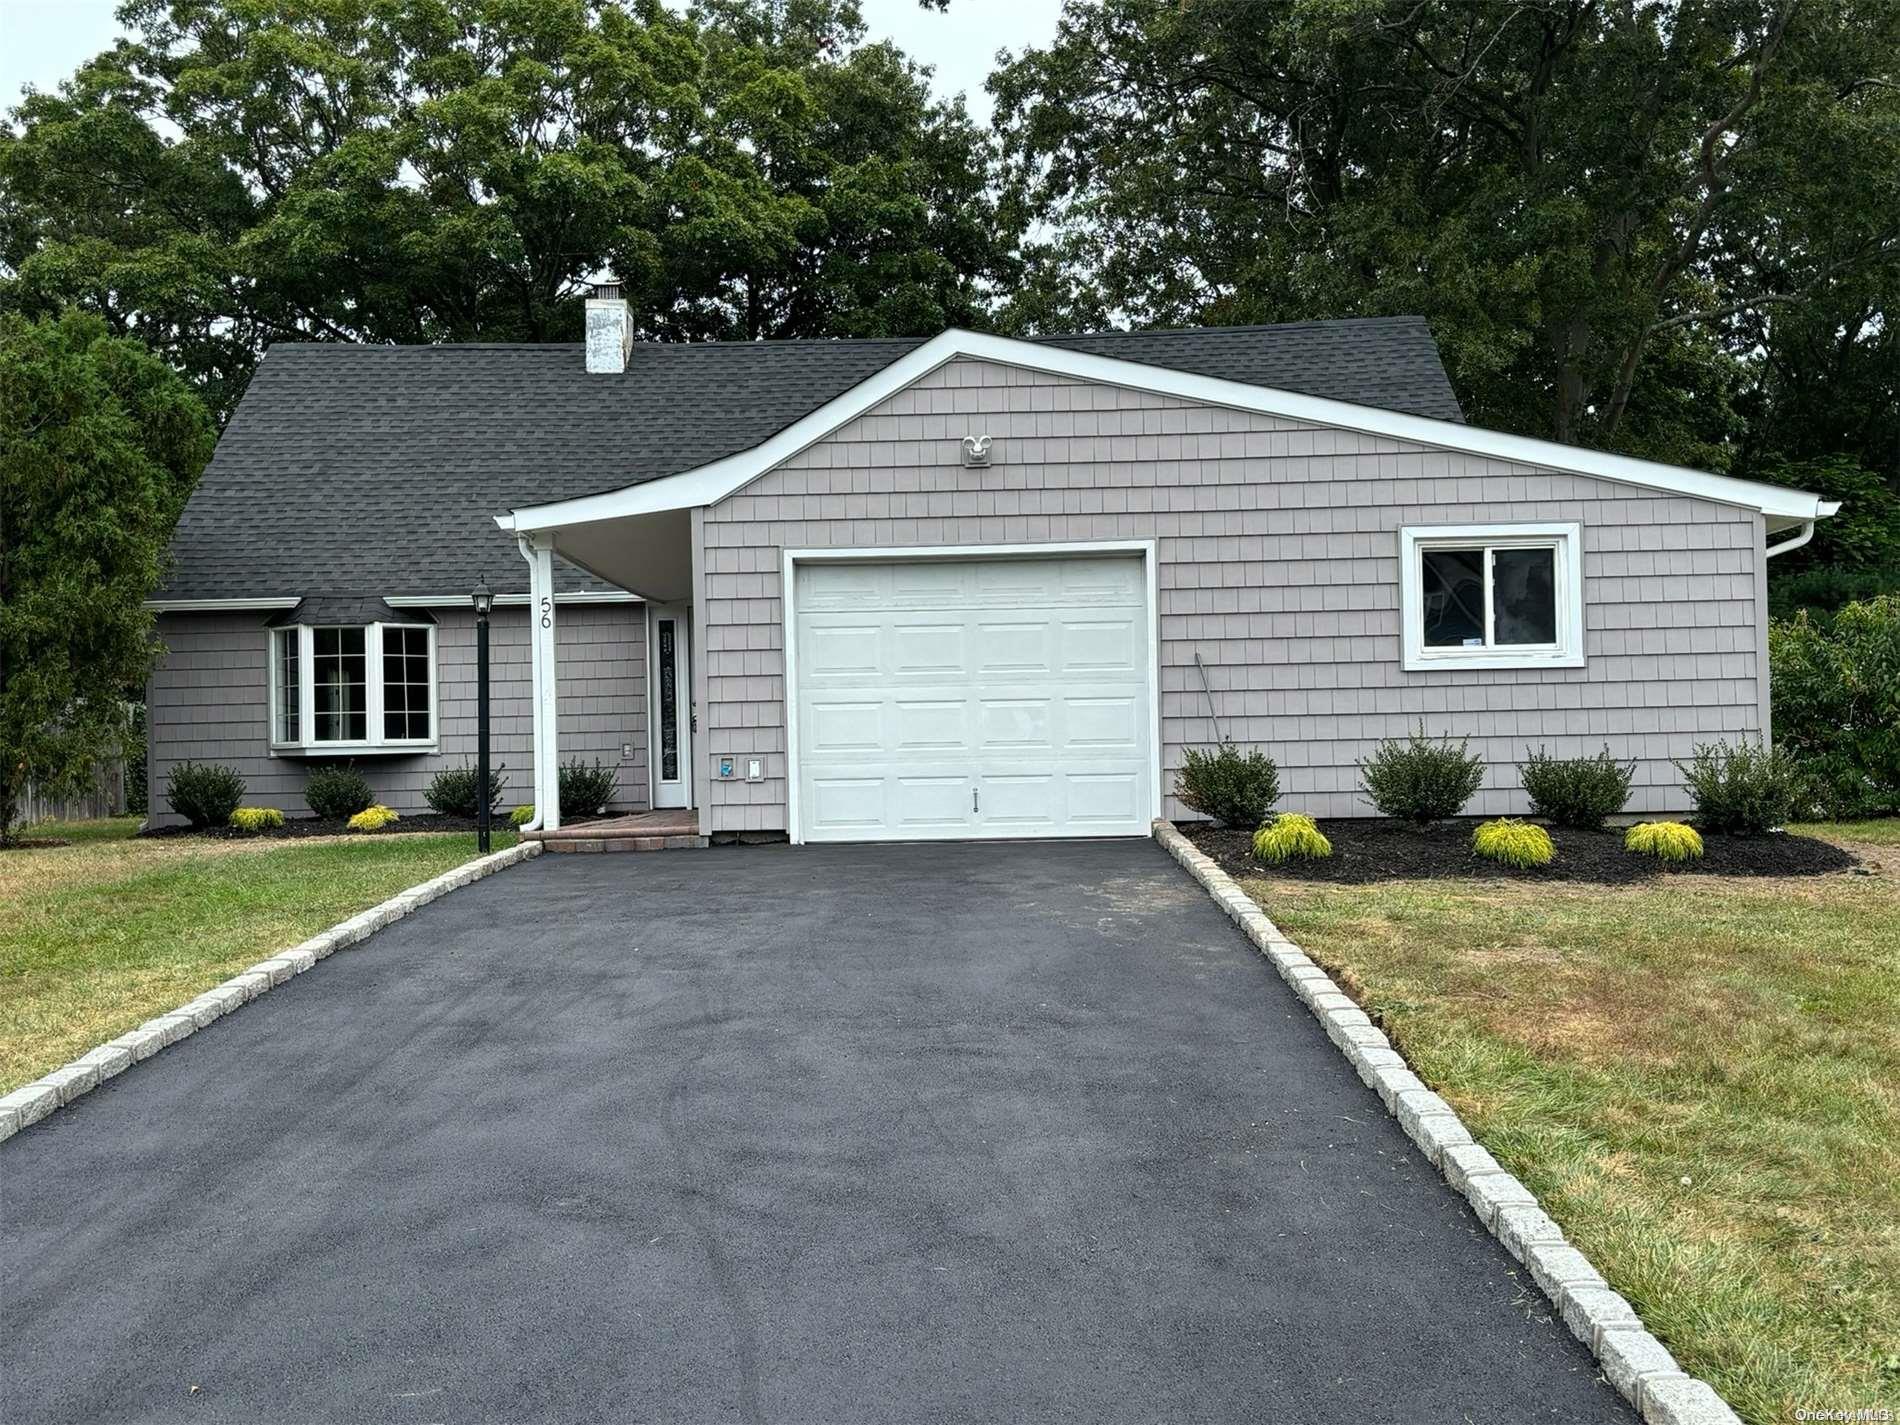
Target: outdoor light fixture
(484,599)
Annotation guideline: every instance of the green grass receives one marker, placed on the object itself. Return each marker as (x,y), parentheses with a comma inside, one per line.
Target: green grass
(1700,1079)
(99,936)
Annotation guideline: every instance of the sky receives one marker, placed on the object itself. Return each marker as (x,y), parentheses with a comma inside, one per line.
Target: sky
(43,41)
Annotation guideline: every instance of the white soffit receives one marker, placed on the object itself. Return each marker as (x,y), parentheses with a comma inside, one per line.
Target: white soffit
(708,484)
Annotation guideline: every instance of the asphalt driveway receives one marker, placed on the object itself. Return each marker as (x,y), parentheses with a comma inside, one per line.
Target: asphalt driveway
(959,1133)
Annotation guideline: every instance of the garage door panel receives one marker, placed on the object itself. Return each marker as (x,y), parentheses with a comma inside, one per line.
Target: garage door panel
(840,806)
(842,650)
(1009,724)
(931,649)
(1105,725)
(1015,648)
(835,728)
(924,802)
(973,698)
(933,726)
(1104,798)
(1102,646)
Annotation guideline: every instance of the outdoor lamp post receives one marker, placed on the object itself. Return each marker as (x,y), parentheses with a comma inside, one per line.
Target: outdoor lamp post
(483,600)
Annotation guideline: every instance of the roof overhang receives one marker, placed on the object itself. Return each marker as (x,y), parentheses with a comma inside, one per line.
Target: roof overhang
(395,601)
(708,484)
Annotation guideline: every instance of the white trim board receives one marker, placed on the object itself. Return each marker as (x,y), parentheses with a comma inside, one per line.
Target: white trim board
(395,601)
(792,558)
(708,484)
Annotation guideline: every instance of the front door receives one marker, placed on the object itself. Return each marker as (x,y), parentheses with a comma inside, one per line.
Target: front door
(670,696)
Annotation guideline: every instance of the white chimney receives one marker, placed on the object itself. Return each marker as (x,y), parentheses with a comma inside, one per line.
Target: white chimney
(609,330)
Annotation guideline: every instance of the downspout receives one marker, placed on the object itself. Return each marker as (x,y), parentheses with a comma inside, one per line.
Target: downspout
(1807,533)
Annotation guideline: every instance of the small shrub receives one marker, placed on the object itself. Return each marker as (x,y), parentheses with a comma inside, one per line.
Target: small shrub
(1514,843)
(338,790)
(1235,788)
(1742,790)
(255,819)
(1419,780)
(585,790)
(521,816)
(204,793)
(455,790)
(373,818)
(1291,837)
(1577,791)
(1665,840)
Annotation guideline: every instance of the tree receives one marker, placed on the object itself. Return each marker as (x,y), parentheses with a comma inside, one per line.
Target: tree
(248,171)
(100,443)
(1594,201)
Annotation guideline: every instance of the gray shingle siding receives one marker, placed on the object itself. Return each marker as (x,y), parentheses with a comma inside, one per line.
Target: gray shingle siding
(1278,564)
(207,702)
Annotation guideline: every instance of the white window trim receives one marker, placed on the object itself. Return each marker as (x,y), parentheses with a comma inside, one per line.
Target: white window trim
(1566,539)
(309,745)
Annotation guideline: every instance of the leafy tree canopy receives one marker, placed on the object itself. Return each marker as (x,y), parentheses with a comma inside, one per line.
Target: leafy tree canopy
(245,171)
(1631,224)
(100,443)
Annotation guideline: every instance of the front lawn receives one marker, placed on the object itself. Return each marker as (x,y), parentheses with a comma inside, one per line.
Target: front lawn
(1698,1075)
(98,936)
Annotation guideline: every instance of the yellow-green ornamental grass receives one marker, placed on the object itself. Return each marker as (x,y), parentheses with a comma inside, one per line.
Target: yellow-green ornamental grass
(1514,843)
(1665,840)
(373,818)
(1291,836)
(256,819)
(521,816)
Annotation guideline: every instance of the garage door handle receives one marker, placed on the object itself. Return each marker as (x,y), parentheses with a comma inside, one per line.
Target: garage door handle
(973,795)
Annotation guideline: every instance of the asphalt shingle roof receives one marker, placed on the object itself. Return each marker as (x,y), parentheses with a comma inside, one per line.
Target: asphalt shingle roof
(379,469)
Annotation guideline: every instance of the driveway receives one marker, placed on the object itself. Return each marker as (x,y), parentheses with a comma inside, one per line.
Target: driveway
(959,1133)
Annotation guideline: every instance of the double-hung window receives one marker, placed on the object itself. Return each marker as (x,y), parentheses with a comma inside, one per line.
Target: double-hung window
(353,688)
(1491,596)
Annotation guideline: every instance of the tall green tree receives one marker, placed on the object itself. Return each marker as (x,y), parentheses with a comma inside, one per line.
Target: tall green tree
(100,443)
(1596,202)
(244,171)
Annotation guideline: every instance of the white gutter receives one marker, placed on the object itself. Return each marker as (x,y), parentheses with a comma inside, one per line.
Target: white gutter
(1807,533)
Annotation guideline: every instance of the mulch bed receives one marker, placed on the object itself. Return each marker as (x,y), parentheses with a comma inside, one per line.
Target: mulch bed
(34,843)
(1369,849)
(302,826)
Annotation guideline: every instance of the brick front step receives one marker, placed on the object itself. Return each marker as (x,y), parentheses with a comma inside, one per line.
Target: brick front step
(670,830)
(623,843)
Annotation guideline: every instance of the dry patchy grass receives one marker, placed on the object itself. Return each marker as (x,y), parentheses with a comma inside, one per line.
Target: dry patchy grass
(1700,1078)
(98,936)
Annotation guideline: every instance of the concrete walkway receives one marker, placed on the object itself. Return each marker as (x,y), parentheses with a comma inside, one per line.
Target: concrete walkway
(947,1133)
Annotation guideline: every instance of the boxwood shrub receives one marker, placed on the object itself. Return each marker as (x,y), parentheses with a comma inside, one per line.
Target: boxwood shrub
(1742,790)
(455,791)
(1577,791)
(585,790)
(337,791)
(1420,780)
(1235,788)
(204,793)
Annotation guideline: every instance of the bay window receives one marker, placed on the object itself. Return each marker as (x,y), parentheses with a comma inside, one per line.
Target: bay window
(1491,596)
(353,687)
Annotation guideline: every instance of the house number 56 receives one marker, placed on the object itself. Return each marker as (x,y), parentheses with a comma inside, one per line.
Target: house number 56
(547,613)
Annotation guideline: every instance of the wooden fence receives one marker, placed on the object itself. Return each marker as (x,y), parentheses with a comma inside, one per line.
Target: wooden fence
(105,797)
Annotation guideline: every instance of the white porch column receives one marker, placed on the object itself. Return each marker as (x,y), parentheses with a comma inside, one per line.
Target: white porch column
(538,550)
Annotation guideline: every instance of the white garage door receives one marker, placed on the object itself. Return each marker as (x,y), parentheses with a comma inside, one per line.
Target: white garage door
(942,699)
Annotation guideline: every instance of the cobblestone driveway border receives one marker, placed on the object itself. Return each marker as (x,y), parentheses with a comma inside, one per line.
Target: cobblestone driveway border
(1633,1361)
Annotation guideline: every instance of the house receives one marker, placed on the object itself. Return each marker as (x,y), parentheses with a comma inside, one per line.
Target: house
(967,586)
